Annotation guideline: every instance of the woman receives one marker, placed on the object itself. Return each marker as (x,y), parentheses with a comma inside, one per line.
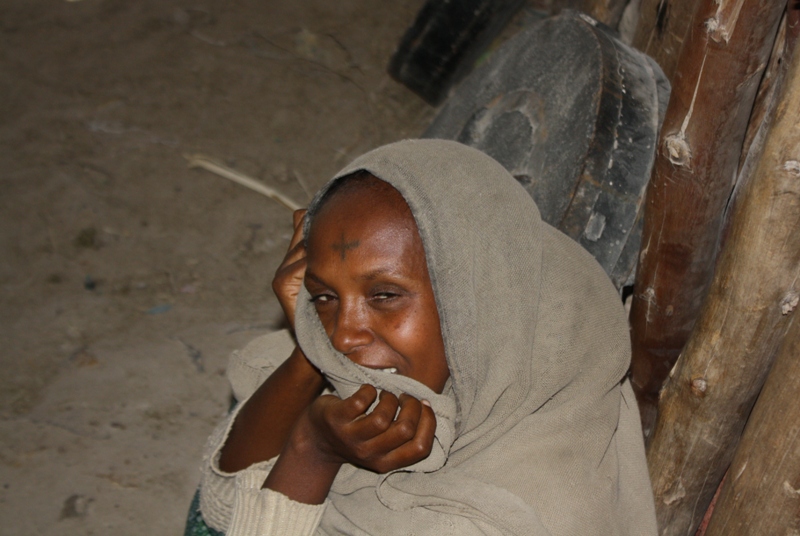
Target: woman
(499,347)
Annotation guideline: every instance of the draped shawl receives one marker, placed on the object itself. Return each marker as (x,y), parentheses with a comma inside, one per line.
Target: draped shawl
(537,430)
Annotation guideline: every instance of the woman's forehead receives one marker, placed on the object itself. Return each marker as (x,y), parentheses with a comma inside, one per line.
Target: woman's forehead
(359,229)
(364,200)
(352,219)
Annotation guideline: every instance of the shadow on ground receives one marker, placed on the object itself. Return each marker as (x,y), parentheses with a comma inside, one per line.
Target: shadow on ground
(126,278)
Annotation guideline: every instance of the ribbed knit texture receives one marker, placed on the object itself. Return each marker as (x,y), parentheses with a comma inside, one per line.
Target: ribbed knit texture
(259,512)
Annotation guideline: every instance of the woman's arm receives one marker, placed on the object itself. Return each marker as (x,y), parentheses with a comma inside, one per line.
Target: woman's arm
(248,369)
(397,433)
(263,424)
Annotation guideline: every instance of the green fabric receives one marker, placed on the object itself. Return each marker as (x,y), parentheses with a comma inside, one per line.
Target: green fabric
(195,525)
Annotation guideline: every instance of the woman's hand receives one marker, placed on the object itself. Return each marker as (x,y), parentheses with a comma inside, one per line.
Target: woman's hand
(333,431)
(289,276)
(378,441)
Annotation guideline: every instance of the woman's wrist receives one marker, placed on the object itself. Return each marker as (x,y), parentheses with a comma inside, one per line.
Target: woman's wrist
(304,372)
(264,424)
(303,472)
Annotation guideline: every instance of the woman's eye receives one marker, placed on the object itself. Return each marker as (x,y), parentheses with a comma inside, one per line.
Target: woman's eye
(322,298)
(383,296)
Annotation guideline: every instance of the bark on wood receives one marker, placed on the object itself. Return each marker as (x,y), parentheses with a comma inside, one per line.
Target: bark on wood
(750,305)
(793,23)
(761,116)
(762,492)
(765,98)
(698,155)
(663,27)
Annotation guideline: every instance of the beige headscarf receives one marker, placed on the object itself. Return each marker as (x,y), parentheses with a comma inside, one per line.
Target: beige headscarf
(536,431)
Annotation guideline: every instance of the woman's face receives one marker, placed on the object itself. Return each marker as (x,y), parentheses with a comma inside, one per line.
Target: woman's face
(369,283)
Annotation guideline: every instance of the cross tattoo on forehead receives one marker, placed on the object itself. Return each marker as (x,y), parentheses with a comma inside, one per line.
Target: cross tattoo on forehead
(342,247)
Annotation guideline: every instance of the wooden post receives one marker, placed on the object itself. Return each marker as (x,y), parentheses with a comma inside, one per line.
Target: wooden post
(662,29)
(763,494)
(766,97)
(750,306)
(698,155)
(788,32)
(762,114)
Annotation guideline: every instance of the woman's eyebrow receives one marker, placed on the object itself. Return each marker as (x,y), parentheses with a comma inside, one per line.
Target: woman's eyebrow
(372,275)
(382,271)
(311,275)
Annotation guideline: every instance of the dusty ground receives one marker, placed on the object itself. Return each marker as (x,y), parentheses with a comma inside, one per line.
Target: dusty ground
(126,278)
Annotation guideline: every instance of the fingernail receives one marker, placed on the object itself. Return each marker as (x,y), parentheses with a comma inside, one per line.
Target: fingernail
(425,403)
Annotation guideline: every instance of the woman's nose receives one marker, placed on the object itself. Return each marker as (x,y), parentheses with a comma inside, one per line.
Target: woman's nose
(350,329)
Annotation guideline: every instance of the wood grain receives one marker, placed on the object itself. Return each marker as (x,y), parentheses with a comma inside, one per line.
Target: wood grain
(698,156)
(751,305)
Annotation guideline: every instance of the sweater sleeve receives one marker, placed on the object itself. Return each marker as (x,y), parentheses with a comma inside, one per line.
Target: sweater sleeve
(247,370)
(217,487)
(263,512)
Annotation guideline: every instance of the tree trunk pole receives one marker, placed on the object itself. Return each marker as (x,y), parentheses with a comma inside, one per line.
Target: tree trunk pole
(764,496)
(763,112)
(765,97)
(750,306)
(698,155)
(662,29)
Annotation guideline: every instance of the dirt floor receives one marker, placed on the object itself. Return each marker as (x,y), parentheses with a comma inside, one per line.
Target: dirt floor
(127,278)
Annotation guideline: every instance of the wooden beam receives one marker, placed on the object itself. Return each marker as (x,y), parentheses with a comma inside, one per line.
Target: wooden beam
(750,306)
(765,98)
(698,155)
(663,27)
(763,495)
(761,117)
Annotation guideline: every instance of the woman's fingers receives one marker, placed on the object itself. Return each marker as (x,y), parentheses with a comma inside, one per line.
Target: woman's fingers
(404,427)
(395,434)
(297,216)
(297,225)
(422,443)
(296,247)
(380,419)
(289,275)
(293,254)
(411,435)
(361,400)
(405,441)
